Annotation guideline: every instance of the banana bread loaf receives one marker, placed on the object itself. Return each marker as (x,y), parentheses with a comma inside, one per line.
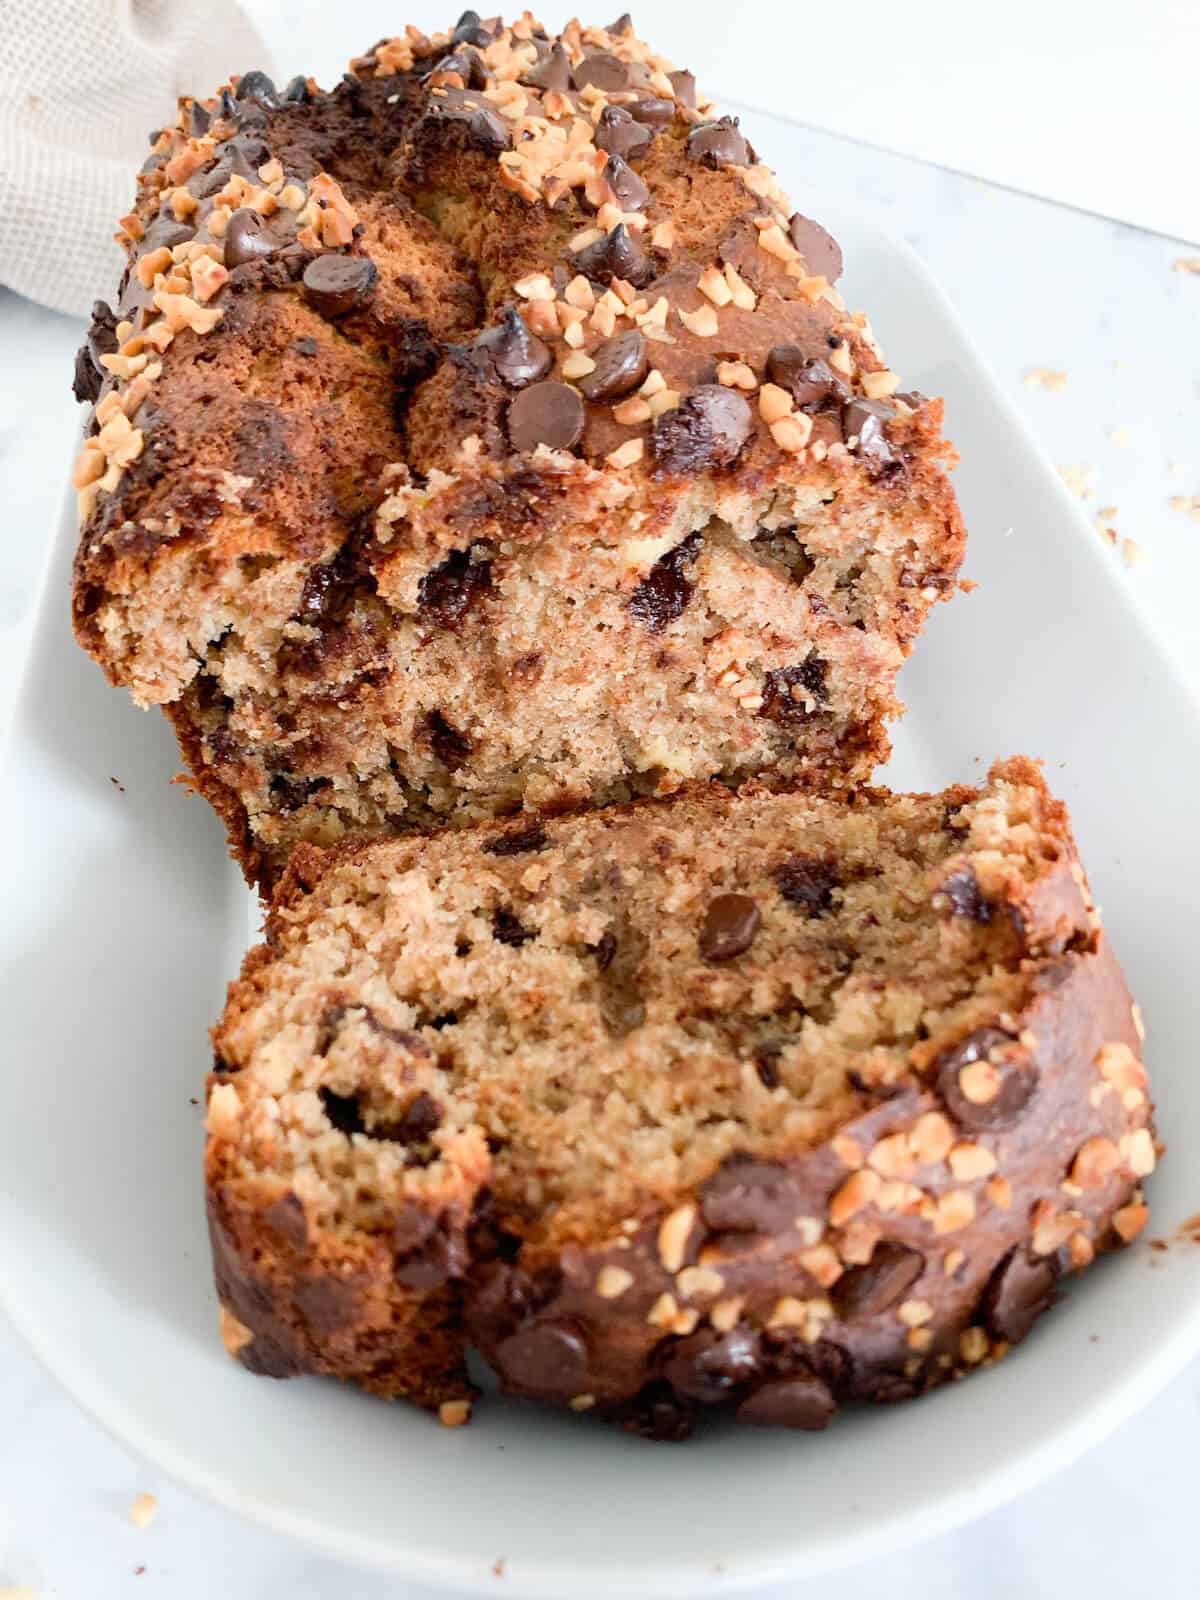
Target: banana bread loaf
(765,1101)
(488,434)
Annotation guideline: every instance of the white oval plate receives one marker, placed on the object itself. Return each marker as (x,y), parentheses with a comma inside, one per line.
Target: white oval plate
(124,920)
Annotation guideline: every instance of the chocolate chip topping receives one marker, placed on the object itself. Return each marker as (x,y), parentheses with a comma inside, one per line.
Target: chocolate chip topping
(467,64)
(795,694)
(812,384)
(983,1104)
(258,87)
(297,91)
(821,251)
(684,85)
(630,191)
(799,1402)
(101,341)
(877,1285)
(865,419)
(602,71)
(619,134)
(550,1358)
(808,882)
(621,364)
(553,71)
(664,592)
(706,429)
(248,238)
(729,927)
(1017,1293)
(719,144)
(617,255)
(547,413)
(518,356)
(654,111)
(470,30)
(165,232)
(336,285)
(710,1367)
(485,126)
(746,1195)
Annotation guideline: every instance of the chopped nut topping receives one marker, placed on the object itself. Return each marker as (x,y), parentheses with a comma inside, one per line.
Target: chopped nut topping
(979,1082)
(1094,1161)
(1137,1151)
(858,1191)
(625,455)
(143,1510)
(891,1157)
(930,1138)
(792,433)
(736,375)
(919,1338)
(713,285)
(857,1243)
(1052,1228)
(664,400)
(207,277)
(774,403)
(724,1315)
(1081,1250)
(536,286)
(663,237)
(454,1413)
(953,1210)
(740,291)
(878,385)
(999,1192)
(702,322)
(235,1336)
(822,1263)
(847,1150)
(673,1236)
(951,1261)
(612,1282)
(973,1345)
(1130,1220)
(699,1280)
(971,1161)
(582,1402)
(578,365)
(631,411)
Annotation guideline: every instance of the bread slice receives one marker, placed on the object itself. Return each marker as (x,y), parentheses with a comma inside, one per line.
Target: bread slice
(767,1100)
(486,435)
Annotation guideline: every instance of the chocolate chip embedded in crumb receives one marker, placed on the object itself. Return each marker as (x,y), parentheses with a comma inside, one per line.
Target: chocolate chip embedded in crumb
(808,882)
(880,1283)
(729,927)
(800,1402)
(630,190)
(248,238)
(795,694)
(517,844)
(653,111)
(336,285)
(821,251)
(449,744)
(964,896)
(812,384)
(553,71)
(618,134)
(287,1220)
(450,590)
(549,1358)
(617,255)
(547,413)
(343,1111)
(601,71)
(766,1064)
(665,591)
(1017,1293)
(719,144)
(684,85)
(421,1117)
(987,1080)
(710,1367)
(508,929)
(465,108)
(621,364)
(706,429)
(518,356)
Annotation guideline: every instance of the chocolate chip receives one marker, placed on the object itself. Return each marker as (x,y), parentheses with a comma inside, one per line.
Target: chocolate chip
(451,589)
(328,589)
(808,882)
(1017,1293)
(729,927)
(508,929)
(619,134)
(343,1111)
(199,119)
(287,1220)
(517,844)
(821,251)
(605,950)
(966,899)
(865,420)
(812,384)
(428,1264)
(630,191)
(789,1403)
(657,1413)
(327,1303)
(464,108)
(165,233)
(621,364)
(619,957)
(684,85)
(706,429)
(469,66)
(335,285)
(710,1367)
(553,71)
(412,1227)
(549,1358)
(623,25)
(878,1284)
(258,87)
(719,144)
(289,793)
(248,238)
(297,91)
(266,1358)
(101,341)
(653,111)
(518,356)
(664,592)
(746,1195)
(449,745)
(549,413)
(779,702)
(305,346)
(617,255)
(602,71)
(469,29)
(1012,1064)
(421,1117)
(766,1064)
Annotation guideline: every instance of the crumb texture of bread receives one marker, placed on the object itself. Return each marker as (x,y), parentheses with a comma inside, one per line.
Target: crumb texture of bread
(760,1102)
(487,435)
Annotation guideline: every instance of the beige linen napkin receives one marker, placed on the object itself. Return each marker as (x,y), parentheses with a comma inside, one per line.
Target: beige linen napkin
(82,83)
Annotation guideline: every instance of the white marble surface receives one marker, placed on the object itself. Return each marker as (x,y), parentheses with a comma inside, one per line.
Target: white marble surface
(1040,287)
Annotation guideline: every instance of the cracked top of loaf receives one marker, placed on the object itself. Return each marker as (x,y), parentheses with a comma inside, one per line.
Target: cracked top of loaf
(549,295)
